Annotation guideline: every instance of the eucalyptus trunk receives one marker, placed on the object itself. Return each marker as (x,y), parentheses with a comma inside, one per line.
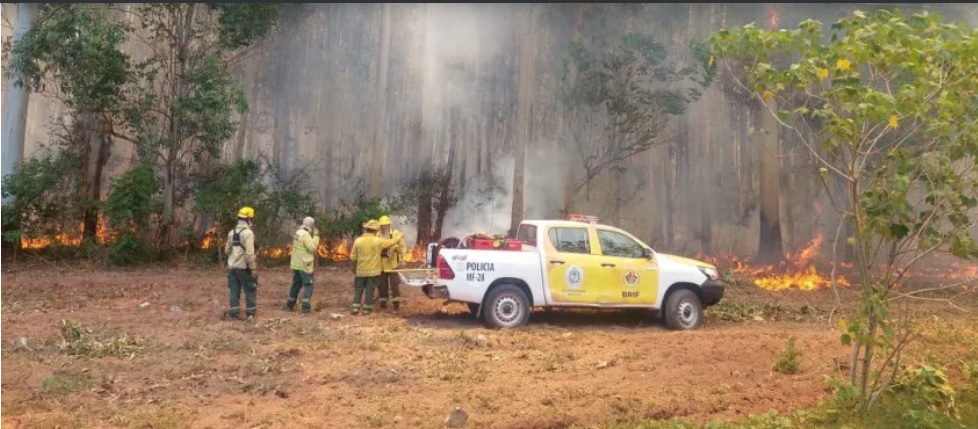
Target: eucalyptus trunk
(15,102)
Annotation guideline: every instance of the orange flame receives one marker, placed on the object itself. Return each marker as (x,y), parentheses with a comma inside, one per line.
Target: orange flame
(773,17)
(796,272)
(72,238)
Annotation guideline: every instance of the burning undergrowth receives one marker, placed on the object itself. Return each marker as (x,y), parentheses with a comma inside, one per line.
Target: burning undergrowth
(330,250)
(796,271)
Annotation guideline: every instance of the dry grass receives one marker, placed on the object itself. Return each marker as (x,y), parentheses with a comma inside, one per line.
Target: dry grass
(115,365)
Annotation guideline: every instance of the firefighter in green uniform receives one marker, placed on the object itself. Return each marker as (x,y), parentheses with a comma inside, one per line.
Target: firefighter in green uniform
(390,283)
(305,243)
(242,264)
(367,267)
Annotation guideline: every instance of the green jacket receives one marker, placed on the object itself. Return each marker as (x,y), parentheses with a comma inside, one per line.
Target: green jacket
(304,248)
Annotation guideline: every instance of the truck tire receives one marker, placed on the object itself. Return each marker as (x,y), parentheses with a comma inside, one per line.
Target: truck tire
(683,311)
(505,307)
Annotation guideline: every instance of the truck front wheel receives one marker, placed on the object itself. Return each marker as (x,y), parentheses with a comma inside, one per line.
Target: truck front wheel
(506,306)
(683,311)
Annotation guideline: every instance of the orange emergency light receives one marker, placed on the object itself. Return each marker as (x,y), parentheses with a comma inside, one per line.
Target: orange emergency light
(583,218)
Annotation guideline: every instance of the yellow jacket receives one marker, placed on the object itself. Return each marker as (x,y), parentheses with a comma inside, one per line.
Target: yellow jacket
(241,257)
(304,247)
(366,253)
(393,259)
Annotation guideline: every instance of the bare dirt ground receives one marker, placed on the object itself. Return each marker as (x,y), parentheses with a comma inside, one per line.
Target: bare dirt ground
(183,367)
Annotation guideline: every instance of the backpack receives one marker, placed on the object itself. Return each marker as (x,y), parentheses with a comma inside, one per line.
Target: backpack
(236,239)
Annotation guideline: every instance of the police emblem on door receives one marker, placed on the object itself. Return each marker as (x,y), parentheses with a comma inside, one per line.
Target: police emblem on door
(630,278)
(575,277)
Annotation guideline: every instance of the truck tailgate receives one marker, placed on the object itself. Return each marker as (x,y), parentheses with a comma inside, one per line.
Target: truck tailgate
(417,277)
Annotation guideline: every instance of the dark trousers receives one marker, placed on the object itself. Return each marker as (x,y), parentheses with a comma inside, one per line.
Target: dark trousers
(242,279)
(361,285)
(390,287)
(300,279)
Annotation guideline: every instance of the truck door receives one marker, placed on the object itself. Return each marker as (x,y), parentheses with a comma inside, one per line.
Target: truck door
(572,277)
(630,276)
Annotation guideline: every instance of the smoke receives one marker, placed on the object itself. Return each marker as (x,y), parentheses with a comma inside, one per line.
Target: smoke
(405,225)
(463,43)
(484,204)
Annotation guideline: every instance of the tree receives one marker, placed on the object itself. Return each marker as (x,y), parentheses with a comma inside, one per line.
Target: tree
(770,249)
(524,115)
(176,105)
(186,99)
(378,154)
(79,49)
(892,102)
(15,101)
(621,99)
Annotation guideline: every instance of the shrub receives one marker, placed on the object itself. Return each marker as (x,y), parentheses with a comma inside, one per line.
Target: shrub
(46,198)
(790,360)
(132,202)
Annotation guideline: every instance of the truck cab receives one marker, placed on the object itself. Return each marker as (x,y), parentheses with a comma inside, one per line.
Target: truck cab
(573,263)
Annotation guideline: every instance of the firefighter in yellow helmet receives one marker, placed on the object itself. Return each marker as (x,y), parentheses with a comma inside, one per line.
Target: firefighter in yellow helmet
(305,244)
(367,267)
(390,283)
(242,264)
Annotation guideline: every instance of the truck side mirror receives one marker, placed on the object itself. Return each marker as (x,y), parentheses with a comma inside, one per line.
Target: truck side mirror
(647,252)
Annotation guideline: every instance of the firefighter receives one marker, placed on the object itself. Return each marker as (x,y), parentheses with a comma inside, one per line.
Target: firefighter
(242,265)
(305,243)
(390,283)
(367,267)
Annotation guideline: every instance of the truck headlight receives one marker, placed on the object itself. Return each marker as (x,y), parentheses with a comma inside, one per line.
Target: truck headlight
(710,273)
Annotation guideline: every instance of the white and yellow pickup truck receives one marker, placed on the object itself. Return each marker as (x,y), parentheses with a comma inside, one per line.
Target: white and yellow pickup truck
(569,263)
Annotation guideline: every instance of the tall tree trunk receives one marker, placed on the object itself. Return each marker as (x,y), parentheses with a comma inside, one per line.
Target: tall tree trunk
(445,199)
(96,147)
(769,247)
(424,214)
(15,102)
(378,156)
(562,130)
(524,117)
(176,138)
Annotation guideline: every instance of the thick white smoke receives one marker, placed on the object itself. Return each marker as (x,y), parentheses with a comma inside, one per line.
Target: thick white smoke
(482,207)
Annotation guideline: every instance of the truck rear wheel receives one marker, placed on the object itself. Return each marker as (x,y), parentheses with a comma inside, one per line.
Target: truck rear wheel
(506,306)
(683,311)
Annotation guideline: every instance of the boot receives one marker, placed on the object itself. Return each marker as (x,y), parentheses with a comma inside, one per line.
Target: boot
(397,306)
(289,307)
(383,304)
(250,319)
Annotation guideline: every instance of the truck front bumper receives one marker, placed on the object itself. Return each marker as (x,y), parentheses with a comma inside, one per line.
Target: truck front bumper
(711,292)
(435,291)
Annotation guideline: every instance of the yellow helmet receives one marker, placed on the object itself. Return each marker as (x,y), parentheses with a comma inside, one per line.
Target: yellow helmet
(384,220)
(372,225)
(246,213)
